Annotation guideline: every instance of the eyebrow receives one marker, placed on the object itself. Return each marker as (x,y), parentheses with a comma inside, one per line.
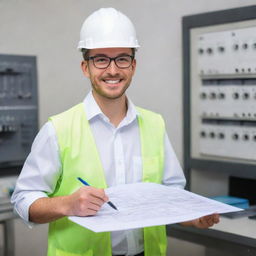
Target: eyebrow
(104,55)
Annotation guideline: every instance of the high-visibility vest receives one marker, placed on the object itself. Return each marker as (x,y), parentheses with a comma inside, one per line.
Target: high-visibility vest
(80,158)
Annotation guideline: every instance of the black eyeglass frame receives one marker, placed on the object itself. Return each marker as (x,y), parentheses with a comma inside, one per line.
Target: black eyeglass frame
(110,59)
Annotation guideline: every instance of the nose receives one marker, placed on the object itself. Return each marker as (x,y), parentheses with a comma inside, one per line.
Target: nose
(112,68)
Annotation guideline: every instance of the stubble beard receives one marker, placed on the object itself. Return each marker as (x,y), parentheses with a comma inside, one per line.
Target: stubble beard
(109,96)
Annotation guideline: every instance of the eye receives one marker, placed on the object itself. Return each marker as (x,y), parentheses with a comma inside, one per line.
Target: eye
(123,59)
(101,60)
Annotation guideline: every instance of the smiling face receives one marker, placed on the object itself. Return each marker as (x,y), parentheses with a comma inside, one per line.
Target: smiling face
(111,82)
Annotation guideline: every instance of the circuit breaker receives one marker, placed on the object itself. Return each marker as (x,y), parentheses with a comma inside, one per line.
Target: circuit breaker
(18,108)
(223,92)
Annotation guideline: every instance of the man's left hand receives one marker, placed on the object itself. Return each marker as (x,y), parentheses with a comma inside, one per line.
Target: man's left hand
(203,222)
(206,221)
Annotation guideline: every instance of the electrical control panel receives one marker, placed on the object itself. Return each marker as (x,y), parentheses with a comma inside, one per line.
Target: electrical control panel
(223,92)
(18,108)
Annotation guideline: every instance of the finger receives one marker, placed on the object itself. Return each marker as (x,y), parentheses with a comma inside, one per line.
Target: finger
(85,198)
(90,212)
(94,192)
(206,221)
(86,211)
(99,193)
(95,200)
(213,218)
(93,207)
(216,218)
(203,222)
(210,222)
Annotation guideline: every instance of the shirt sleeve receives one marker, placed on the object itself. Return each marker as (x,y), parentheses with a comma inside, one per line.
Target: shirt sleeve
(40,172)
(173,173)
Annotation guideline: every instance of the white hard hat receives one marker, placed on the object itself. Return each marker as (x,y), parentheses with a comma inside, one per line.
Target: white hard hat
(107,28)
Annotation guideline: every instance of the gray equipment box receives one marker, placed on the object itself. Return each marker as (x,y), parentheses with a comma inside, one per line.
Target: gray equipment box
(18,110)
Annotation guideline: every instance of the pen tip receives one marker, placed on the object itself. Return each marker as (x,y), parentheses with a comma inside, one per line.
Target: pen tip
(112,205)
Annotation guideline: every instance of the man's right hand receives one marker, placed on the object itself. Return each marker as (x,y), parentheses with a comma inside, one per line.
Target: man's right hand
(85,201)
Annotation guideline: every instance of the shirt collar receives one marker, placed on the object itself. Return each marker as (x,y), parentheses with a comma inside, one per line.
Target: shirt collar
(92,109)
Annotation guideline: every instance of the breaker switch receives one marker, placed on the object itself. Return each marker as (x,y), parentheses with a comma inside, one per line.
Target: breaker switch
(201,51)
(7,128)
(203,134)
(212,95)
(246,95)
(221,135)
(203,95)
(245,46)
(221,95)
(212,134)
(235,95)
(235,136)
(246,137)
(221,49)
(209,50)
(236,47)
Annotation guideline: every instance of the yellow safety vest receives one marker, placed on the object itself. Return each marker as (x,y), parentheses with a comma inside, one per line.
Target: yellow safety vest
(79,157)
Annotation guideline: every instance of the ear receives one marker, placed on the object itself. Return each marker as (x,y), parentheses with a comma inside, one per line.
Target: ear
(133,65)
(85,68)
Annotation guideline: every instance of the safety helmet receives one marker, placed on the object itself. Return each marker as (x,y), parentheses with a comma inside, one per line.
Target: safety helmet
(107,28)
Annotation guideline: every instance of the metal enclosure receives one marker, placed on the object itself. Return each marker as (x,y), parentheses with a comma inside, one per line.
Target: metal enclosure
(219,79)
(18,110)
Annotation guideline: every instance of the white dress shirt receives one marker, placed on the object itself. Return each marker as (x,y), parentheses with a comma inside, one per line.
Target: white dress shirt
(120,153)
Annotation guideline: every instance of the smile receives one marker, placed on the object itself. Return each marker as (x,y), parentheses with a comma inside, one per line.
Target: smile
(112,81)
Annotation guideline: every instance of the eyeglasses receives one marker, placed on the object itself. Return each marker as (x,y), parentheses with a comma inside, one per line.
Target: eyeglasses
(102,62)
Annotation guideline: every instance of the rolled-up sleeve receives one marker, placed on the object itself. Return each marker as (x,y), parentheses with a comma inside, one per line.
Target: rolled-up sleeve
(40,172)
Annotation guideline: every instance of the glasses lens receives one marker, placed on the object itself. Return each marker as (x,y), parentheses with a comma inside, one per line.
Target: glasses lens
(101,62)
(123,61)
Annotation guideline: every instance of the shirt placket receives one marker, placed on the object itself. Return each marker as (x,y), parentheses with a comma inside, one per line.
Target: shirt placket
(131,244)
(119,158)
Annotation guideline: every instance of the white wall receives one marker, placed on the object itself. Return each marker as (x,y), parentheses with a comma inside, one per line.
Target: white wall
(49,29)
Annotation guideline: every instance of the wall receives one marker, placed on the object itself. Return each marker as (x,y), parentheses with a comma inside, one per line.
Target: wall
(49,29)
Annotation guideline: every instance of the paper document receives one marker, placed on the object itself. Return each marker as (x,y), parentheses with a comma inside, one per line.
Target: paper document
(149,204)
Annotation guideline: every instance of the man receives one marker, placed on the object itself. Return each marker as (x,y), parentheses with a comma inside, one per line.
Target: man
(106,140)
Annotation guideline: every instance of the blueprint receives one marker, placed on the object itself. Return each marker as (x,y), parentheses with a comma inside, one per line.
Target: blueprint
(149,204)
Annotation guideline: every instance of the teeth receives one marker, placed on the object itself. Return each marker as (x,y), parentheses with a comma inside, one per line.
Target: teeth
(112,81)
